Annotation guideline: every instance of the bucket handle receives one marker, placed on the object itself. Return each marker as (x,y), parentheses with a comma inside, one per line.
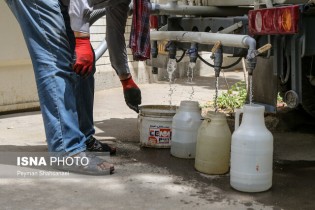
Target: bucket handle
(237,118)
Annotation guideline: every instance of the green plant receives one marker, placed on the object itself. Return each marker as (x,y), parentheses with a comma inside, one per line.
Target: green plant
(280,101)
(279,98)
(234,98)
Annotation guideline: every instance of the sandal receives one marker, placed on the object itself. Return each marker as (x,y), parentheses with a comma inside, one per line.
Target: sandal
(86,163)
(94,145)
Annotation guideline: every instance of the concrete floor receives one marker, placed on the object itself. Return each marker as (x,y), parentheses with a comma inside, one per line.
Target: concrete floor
(151,178)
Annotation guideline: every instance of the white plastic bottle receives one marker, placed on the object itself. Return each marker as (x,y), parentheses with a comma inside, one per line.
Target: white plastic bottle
(185,126)
(251,151)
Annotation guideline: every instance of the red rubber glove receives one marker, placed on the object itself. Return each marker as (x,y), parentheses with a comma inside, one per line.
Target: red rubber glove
(132,94)
(84,56)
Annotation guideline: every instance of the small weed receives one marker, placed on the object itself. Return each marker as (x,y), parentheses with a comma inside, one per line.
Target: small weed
(232,99)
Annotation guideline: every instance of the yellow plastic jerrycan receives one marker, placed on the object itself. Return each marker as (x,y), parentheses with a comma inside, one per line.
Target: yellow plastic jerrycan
(251,151)
(213,145)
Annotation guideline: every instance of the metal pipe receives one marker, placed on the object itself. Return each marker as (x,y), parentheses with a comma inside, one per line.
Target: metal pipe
(172,8)
(231,28)
(102,47)
(231,40)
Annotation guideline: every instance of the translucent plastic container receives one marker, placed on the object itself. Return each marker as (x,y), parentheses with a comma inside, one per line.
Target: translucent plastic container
(251,151)
(185,126)
(213,145)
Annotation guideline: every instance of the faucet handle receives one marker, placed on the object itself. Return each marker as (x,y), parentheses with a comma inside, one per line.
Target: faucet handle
(217,44)
(264,48)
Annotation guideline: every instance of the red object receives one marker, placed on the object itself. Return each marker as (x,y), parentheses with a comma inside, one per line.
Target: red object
(277,20)
(154,22)
(128,84)
(84,56)
(132,94)
(139,42)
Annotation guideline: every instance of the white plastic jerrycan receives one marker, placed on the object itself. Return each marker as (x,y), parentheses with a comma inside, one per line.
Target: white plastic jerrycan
(251,151)
(185,126)
(213,145)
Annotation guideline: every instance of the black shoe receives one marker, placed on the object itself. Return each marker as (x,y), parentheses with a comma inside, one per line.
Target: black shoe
(94,145)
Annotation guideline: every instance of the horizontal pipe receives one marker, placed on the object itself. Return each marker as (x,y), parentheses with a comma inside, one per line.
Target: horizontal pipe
(172,8)
(231,40)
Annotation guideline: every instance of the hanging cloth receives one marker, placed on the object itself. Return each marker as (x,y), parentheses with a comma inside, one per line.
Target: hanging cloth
(140,31)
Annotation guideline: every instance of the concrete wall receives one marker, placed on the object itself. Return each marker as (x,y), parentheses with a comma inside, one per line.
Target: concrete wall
(17,84)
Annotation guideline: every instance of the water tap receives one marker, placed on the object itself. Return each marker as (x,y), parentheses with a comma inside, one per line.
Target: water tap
(171,48)
(217,56)
(251,60)
(193,52)
(251,57)
(154,49)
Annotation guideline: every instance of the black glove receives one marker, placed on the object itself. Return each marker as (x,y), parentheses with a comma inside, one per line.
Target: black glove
(132,94)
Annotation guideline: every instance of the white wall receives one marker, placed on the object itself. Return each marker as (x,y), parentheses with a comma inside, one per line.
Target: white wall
(17,84)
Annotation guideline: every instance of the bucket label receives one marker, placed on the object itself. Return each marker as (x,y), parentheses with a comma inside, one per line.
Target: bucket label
(159,134)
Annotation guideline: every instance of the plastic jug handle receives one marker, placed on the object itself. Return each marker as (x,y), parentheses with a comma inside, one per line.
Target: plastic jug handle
(237,118)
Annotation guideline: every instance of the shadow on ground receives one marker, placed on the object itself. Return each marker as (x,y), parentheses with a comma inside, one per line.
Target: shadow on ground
(293,180)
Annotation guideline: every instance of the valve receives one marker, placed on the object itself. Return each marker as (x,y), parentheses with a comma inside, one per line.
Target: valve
(217,56)
(154,49)
(171,48)
(193,52)
(252,57)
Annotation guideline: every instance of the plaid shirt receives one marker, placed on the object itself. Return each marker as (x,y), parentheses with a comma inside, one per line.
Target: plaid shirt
(140,30)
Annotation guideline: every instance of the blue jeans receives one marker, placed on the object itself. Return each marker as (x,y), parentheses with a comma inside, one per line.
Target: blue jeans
(66,100)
